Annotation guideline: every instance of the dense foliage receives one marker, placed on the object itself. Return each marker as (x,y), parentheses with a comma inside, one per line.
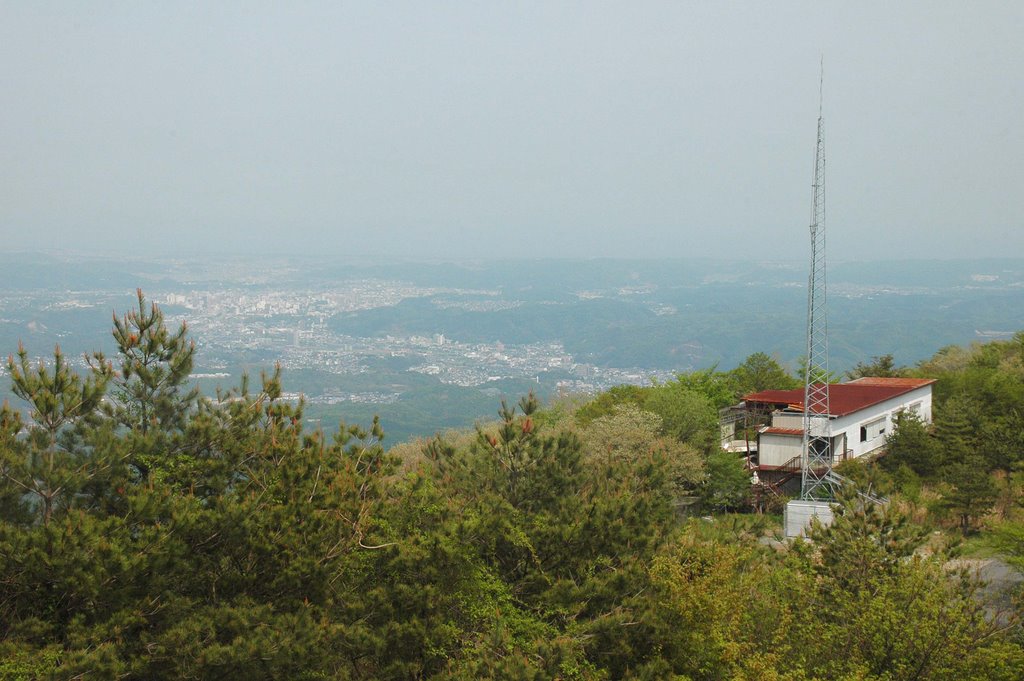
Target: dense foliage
(148,532)
(968,462)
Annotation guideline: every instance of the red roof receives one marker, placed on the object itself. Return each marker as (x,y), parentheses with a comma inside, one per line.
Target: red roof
(910,383)
(845,398)
(773,430)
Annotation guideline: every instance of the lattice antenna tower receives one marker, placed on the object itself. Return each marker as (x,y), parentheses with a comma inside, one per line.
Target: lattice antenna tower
(818,480)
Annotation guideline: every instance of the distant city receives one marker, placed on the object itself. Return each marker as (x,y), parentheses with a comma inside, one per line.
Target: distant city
(430,346)
(293,325)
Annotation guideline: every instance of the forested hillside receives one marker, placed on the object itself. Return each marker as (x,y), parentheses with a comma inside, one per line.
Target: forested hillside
(151,532)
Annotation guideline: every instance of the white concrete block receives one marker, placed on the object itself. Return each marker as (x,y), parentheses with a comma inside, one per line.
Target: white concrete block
(798,514)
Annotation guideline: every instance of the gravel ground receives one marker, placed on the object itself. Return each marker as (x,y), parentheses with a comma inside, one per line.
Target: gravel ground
(1001,582)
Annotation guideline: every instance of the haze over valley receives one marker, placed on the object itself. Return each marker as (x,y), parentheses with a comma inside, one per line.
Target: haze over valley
(435,345)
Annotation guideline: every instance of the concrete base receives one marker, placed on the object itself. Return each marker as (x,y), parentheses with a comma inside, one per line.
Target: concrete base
(798,514)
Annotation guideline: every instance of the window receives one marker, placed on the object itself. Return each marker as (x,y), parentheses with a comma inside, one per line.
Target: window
(873,430)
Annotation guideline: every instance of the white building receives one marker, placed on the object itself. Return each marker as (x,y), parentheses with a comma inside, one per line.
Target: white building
(862,413)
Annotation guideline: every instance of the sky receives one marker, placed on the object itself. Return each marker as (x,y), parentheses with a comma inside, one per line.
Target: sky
(479,130)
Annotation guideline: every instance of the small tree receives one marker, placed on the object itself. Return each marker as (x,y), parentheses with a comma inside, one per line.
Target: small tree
(155,365)
(956,433)
(973,491)
(1002,439)
(760,372)
(727,485)
(820,376)
(687,415)
(151,396)
(864,541)
(910,445)
(630,434)
(53,468)
(883,366)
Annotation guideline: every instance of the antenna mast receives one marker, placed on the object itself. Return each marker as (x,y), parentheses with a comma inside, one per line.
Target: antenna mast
(818,482)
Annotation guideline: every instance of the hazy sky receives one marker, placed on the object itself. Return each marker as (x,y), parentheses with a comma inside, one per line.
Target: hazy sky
(481,129)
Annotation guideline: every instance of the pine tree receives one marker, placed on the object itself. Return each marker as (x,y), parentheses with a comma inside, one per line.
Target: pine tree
(151,396)
(973,490)
(866,540)
(54,465)
(955,431)
(155,365)
(911,445)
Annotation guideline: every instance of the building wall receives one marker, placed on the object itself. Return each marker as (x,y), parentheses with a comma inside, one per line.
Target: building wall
(781,419)
(877,421)
(774,449)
